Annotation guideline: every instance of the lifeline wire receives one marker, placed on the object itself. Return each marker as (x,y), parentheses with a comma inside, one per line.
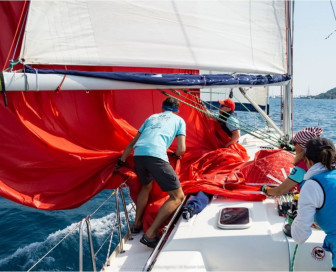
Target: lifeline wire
(45,255)
(74,228)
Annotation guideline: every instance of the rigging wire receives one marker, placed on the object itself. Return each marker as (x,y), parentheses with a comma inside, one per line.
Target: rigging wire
(16,36)
(332,7)
(252,130)
(249,111)
(247,128)
(257,118)
(288,115)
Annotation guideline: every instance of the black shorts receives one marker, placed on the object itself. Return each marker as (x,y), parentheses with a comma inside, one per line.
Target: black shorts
(149,168)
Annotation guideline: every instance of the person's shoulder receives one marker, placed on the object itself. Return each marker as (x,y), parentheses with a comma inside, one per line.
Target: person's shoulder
(173,115)
(153,115)
(180,118)
(233,117)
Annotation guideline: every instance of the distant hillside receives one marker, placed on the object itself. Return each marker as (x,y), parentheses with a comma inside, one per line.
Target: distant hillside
(331,94)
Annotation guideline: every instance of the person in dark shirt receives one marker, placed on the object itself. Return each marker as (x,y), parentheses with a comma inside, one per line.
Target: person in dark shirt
(229,122)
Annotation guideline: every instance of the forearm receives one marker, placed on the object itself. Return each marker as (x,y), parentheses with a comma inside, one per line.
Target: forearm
(235,137)
(127,151)
(283,188)
(129,148)
(181,146)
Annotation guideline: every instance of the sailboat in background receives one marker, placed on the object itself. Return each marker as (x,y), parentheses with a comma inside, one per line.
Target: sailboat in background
(71,68)
(309,94)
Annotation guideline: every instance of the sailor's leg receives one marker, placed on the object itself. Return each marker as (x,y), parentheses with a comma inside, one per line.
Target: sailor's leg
(141,203)
(167,209)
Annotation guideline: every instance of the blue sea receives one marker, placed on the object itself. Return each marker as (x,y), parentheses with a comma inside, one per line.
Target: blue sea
(27,234)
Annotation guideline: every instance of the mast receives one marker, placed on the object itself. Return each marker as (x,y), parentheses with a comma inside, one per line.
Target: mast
(287,118)
(261,112)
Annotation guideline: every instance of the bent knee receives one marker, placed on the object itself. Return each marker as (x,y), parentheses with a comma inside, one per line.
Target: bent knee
(148,186)
(181,196)
(177,195)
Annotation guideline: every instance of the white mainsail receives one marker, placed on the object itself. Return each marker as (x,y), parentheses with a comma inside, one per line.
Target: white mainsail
(228,36)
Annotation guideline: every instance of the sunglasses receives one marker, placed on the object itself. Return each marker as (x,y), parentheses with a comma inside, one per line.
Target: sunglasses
(222,106)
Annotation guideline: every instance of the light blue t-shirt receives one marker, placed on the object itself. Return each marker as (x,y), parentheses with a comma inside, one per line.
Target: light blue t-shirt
(232,122)
(157,134)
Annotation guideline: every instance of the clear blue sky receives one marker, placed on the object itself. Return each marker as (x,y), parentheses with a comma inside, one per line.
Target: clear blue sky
(314,56)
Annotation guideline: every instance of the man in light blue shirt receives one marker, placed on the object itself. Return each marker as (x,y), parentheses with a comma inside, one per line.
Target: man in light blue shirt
(150,146)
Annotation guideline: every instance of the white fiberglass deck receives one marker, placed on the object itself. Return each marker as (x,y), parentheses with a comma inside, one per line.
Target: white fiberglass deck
(199,245)
(261,247)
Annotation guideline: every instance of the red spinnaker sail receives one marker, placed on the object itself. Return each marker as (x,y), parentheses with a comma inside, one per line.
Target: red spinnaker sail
(58,149)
